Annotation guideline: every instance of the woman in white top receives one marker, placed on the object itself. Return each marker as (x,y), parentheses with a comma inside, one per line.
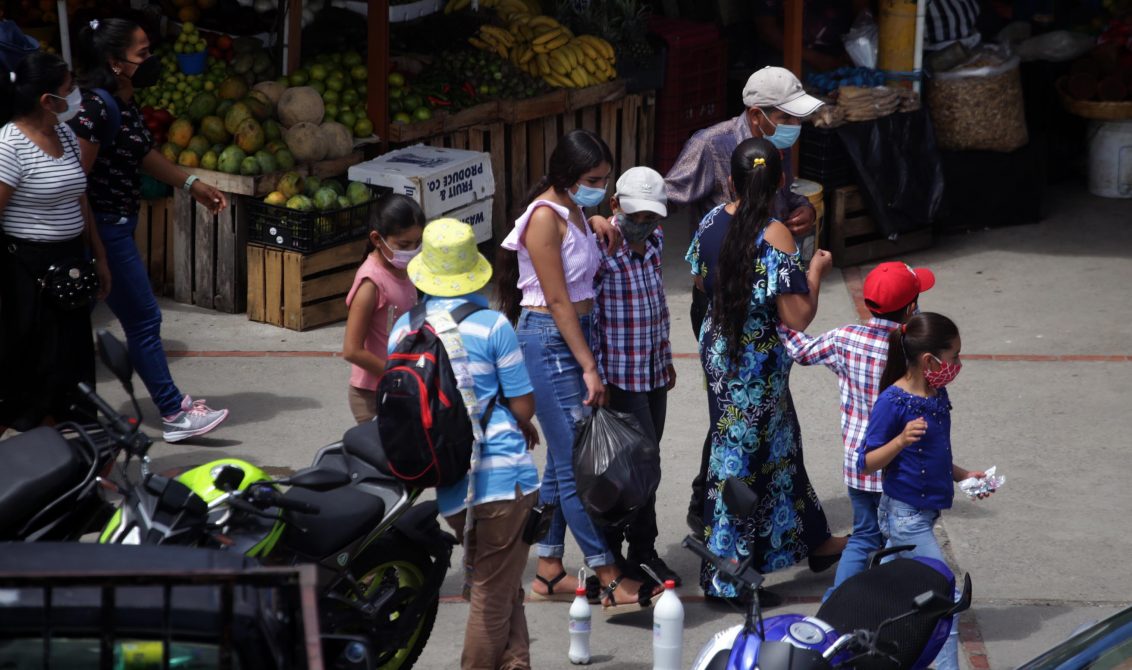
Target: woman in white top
(548,286)
(47,350)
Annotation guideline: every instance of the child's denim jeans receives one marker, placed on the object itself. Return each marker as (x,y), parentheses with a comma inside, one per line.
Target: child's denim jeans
(903,524)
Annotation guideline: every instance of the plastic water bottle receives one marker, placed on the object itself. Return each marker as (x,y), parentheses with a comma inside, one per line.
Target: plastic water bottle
(580,627)
(668,630)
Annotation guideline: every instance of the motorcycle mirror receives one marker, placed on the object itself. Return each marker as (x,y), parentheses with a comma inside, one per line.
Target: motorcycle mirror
(229,478)
(115,357)
(318,479)
(739,497)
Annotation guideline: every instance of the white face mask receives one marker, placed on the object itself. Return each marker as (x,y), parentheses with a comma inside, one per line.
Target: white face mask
(400,258)
(74,102)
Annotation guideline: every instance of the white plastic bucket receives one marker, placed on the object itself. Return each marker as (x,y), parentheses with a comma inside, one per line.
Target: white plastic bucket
(1110,159)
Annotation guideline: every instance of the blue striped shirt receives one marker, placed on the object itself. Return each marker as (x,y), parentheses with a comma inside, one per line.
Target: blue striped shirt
(495,360)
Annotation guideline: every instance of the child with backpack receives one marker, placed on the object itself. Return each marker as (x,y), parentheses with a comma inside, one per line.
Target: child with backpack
(453,339)
(909,437)
(380,294)
(857,354)
(631,345)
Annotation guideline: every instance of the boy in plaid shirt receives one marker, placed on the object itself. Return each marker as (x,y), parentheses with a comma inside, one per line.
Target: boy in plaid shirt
(857,355)
(630,338)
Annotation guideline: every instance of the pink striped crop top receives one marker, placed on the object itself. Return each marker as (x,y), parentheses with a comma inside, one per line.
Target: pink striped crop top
(580,258)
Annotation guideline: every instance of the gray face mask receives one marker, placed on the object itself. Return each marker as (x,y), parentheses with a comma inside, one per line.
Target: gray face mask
(635,231)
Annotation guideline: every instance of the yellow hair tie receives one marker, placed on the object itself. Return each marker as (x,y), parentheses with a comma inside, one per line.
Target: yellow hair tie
(758,161)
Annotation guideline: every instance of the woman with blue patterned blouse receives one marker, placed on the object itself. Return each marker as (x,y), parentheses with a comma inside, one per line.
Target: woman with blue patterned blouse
(749,266)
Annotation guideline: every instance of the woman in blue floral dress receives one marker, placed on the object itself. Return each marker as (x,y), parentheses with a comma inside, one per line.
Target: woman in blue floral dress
(750,269)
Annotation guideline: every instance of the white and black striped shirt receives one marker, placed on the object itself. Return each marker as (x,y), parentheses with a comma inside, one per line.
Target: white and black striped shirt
(950,21)
(45,205)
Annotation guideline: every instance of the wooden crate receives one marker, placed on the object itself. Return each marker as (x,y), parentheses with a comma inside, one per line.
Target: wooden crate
(210,267)
(854,237)
(301,291)
(154,237)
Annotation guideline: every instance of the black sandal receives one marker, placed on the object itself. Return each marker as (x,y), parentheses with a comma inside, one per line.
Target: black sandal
(550,595)
(644,599)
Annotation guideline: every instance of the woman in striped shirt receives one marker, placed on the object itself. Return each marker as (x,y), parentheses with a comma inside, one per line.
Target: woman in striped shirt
(46,221)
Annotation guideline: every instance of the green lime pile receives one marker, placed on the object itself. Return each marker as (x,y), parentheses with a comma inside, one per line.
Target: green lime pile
(341,80)
(189,41)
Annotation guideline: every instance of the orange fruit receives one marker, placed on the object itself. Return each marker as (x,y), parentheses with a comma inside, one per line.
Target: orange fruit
(188,14)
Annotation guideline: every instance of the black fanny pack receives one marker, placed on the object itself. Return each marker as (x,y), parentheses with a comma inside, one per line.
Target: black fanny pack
(71,284)
(67,284)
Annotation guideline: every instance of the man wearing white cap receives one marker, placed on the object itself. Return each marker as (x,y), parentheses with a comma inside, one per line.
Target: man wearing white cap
(775,104)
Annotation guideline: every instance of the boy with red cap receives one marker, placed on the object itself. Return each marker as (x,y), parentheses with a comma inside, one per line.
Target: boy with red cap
(857,354)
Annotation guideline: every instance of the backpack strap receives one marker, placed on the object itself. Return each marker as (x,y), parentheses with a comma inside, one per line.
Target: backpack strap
(446,326)
(113,114)
(464,311)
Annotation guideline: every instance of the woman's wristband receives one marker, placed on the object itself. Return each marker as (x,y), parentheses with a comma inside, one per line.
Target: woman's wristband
(189,181)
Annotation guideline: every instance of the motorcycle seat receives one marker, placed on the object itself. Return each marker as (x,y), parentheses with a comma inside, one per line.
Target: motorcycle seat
(38,467)
(364,442)
(345,514)
(887,590)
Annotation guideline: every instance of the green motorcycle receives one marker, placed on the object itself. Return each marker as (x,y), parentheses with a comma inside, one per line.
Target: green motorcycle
(381,554)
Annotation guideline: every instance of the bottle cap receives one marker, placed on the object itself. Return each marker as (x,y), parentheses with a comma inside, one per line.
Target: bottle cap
(580,591)
(669,584)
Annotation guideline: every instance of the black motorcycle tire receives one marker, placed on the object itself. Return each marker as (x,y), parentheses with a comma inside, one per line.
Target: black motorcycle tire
(412,564)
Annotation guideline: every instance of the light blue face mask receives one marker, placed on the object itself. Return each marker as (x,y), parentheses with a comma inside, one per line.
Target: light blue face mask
(784,136)
(588,196)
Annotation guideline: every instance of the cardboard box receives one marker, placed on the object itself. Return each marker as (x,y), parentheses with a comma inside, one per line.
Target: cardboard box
(478,216)
(441,180)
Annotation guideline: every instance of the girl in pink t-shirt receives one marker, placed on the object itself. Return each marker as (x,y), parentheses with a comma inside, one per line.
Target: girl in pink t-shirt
(381,293)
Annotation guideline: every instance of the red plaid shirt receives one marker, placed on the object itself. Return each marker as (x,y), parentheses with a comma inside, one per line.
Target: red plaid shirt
(857,355)
(630,318)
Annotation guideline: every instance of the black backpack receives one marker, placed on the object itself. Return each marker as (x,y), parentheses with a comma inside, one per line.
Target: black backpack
(421,417)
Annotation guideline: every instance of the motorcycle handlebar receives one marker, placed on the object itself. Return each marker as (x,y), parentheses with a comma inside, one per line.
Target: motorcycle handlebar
(296,506)
(117,421)
(268,496)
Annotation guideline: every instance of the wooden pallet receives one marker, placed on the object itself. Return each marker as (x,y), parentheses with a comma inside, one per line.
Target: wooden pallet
(154,237)
(854,237)
(300,291)
(208,251)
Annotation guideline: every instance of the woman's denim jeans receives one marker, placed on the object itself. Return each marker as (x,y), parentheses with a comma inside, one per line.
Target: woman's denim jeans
(559,392)
(903,524)
(132,301)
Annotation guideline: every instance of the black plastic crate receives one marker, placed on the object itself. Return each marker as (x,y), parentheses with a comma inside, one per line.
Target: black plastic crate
(822,158)
(279,226)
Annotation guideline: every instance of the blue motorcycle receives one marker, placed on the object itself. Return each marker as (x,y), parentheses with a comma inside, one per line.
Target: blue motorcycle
(896,615)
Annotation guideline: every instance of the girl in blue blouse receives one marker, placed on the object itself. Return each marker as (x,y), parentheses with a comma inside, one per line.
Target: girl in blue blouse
(909,437)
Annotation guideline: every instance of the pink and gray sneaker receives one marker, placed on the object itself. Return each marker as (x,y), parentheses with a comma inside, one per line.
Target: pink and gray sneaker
(195,418)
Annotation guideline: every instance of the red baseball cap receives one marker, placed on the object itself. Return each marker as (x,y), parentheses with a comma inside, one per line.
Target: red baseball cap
(894,285)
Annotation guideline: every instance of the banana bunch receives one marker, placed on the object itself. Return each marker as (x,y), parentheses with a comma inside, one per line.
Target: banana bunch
(544,48)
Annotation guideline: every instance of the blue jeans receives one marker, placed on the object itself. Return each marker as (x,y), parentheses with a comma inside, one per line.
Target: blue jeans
(866,537)
(559,392)
(133,303)
(902,523)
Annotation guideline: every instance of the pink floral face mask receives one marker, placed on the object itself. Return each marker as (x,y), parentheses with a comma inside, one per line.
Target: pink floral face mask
(946,373)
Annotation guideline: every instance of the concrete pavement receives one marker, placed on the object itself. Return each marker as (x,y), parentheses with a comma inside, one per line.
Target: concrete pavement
(1046,320)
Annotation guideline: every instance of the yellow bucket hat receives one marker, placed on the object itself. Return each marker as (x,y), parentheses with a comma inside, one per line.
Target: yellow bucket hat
(449,264)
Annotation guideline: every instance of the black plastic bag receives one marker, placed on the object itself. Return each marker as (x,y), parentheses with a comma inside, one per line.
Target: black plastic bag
(898,169)
(616,466)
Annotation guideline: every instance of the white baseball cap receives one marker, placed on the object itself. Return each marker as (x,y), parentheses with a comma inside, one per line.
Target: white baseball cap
(778,87)
(641,189)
